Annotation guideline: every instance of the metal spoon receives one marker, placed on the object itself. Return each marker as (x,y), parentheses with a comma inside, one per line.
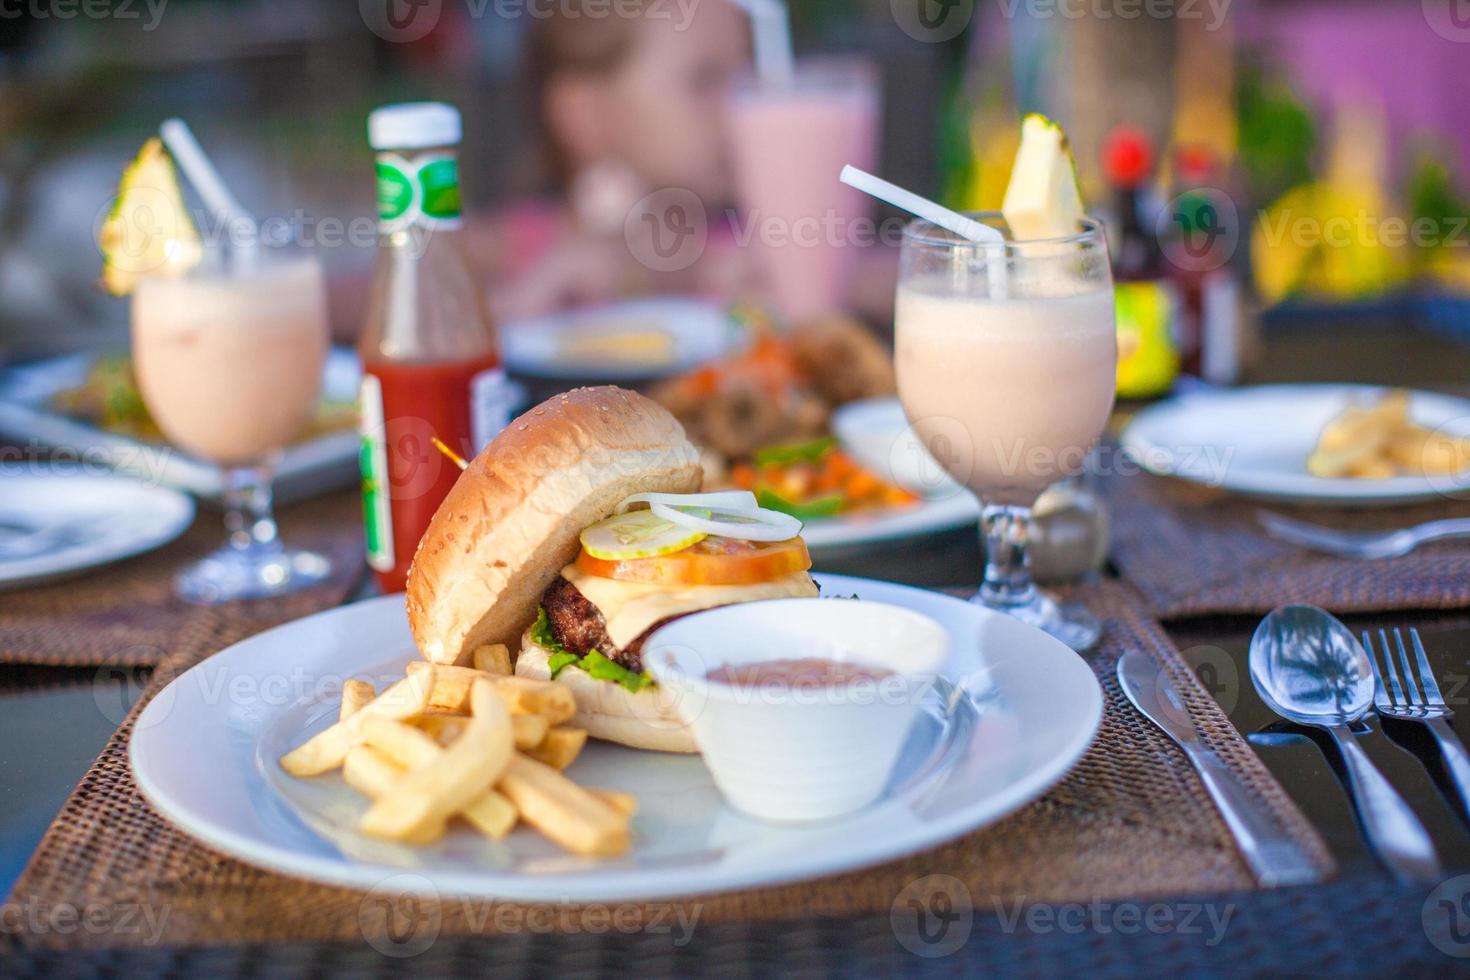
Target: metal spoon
(1309,667)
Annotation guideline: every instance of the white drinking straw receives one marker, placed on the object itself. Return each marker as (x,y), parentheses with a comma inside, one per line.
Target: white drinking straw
(195,164)
(967,228)
(775,58)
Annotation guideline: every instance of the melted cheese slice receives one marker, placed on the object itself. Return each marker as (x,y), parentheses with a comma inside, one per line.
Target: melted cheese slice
(632,607)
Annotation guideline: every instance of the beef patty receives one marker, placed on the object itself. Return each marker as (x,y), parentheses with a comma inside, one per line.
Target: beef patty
(578,625)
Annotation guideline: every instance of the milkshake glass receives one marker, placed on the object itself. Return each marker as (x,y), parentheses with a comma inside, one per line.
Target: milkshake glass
(1008,381)
(229,363)
(788,142)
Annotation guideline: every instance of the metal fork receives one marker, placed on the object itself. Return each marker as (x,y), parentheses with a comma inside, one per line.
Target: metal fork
(1419,701)
(1362,544)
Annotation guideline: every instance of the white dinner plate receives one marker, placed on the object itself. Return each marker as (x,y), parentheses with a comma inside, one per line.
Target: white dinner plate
(53,525)
(1013,713)
(625,341)
(1255,441)
(324,462)
(891,523)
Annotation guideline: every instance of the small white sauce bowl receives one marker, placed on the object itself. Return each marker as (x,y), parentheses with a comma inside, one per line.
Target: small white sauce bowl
(803,752)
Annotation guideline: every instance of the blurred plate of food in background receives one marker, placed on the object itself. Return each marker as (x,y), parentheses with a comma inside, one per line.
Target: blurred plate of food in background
(88,407)
(876,433)
(1348,445)
(765,417)
(57,520)
(625,341)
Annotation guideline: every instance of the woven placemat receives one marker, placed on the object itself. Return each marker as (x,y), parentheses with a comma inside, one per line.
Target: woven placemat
(126,615)
(1359,926)
(1192,550)
(1131,820)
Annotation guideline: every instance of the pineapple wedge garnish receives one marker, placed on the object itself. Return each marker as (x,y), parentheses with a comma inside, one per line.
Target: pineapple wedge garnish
(148,232)
(1042,200)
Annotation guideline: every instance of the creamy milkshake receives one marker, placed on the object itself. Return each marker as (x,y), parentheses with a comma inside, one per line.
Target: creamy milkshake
(788,143)
(230,364)
(1014,391)
(1007,358)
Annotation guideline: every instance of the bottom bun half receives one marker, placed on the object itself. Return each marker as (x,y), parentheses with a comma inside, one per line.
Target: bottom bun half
(611,712)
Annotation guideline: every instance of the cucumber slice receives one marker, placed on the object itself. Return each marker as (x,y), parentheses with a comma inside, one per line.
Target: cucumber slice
(637,534)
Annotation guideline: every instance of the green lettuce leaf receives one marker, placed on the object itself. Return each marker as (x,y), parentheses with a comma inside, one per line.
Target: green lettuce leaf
(593,663)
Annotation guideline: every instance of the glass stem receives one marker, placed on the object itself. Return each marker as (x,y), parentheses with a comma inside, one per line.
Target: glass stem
(1007,556)
(248,516)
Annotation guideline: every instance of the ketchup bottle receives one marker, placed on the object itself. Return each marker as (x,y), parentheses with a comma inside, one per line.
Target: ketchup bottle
(431,366)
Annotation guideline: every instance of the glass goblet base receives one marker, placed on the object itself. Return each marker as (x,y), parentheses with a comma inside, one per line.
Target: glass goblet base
(258,572)
(1073,625)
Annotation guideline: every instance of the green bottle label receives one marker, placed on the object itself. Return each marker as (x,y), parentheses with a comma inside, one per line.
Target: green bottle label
(422,190)
(377,513)
(395,191)
(439,182)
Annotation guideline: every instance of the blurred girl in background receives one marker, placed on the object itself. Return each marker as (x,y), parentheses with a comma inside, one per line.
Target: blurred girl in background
(625,106)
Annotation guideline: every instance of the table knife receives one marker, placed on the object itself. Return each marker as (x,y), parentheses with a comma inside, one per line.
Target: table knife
(1274,858)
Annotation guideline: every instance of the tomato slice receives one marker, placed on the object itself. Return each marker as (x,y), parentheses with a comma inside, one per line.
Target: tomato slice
(713,561)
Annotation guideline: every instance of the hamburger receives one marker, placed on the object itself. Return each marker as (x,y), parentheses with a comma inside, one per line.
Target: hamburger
(573,536)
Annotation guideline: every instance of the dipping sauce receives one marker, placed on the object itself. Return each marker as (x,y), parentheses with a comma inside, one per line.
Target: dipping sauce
(805,672)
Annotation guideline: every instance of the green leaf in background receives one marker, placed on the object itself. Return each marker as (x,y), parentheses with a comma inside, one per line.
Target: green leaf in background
(795,452)
(1277,134)
(1432,195)
(804,511)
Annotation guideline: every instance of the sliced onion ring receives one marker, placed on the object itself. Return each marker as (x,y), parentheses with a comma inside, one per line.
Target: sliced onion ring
(746,525)
(728,500)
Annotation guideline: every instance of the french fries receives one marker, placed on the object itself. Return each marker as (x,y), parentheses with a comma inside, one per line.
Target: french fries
(492,658)
(559,748)
(624,803)
(373,775)
(444,728)
(523,695)
(407,747)
(470,744)
(1375,442)
(529,730)
(327,750)
(427,796)
(564,811)
(355,696)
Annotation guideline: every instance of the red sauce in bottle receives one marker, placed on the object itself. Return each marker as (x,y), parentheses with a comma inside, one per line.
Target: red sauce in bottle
(421,402)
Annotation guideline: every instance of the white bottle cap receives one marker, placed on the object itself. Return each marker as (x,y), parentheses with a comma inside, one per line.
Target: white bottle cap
(414,126)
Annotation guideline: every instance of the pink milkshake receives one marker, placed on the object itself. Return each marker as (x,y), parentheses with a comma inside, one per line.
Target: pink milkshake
(789,143)
(230,364)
